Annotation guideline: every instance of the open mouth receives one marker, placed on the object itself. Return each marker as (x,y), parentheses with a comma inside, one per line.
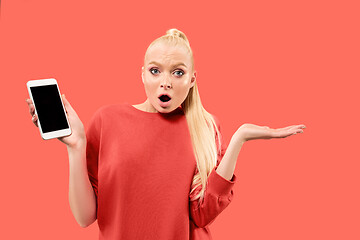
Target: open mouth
(164,98)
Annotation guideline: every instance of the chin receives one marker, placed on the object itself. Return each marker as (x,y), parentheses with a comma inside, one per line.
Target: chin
(165,110)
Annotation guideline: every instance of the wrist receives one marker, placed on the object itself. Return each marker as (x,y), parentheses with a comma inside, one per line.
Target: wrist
(77,145)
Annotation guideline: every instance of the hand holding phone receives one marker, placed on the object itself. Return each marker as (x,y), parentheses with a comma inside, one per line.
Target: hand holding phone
(78,133)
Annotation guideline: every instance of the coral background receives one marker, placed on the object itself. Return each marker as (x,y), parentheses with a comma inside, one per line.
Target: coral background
(270,63)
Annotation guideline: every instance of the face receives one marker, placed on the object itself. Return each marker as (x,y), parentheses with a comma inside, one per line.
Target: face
(167,70)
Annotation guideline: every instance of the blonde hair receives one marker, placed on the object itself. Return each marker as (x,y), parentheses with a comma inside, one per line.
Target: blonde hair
(202,126)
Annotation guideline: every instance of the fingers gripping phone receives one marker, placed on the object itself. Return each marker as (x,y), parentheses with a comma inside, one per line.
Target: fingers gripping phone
(52,118)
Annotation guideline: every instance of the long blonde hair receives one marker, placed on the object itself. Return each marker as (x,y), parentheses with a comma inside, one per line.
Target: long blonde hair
(202,126)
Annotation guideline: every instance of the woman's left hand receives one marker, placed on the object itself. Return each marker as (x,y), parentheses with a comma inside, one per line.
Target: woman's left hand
(250,132)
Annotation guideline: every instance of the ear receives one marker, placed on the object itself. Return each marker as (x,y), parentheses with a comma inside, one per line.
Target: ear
(142,73)
(193,79)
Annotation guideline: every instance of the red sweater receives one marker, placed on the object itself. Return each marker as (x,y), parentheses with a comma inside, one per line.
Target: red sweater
(141,166)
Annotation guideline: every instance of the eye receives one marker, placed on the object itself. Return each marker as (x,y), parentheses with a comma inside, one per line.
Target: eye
(154,71)
(180,73)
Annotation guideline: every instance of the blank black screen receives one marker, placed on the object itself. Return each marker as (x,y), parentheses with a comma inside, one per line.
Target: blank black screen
(49,108)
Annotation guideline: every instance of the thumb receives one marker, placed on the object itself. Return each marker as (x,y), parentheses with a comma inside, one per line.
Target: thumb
(67,104)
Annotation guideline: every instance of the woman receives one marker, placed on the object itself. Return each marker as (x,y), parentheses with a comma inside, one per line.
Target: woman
(156,170)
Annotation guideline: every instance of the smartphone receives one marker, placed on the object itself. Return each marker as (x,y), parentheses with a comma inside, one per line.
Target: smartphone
(52,117)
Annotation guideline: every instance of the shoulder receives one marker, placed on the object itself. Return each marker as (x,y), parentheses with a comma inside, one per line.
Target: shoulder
(108,112)
(110,109)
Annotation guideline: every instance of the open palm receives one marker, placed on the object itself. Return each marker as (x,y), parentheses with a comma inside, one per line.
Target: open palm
(250,131)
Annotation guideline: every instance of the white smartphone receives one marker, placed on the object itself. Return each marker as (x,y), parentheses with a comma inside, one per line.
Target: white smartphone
(52,118)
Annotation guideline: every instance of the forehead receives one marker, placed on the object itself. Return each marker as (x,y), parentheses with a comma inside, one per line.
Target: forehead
(167,53)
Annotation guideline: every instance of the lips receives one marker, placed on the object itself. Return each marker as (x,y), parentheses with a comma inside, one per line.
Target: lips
(164,100)
(164,97)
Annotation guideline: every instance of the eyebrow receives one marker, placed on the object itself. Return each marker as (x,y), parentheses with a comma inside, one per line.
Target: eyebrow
(175,65)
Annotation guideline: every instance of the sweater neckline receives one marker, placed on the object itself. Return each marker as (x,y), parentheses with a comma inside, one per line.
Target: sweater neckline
(174,112)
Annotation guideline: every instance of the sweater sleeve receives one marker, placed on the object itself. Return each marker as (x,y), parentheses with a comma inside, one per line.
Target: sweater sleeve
(217,196)
(92,150)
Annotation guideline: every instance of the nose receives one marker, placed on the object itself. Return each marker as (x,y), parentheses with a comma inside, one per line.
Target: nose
(166,83)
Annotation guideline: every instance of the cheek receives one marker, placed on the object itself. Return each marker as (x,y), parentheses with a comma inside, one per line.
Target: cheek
(182,82)
(181,90)
(150,87)
(184,85)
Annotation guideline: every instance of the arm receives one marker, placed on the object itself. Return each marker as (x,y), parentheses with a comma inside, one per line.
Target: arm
(82,198)
(251,132)
(81,194)
(227,165)
(218,193)
(83,184)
